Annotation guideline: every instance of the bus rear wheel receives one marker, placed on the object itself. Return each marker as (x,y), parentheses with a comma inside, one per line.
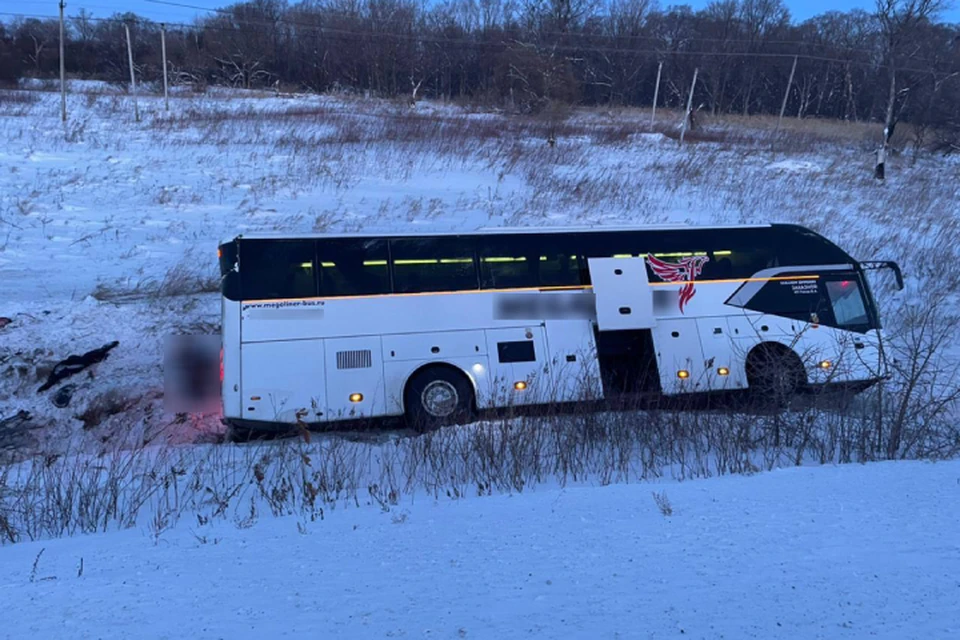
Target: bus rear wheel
(774,374)
(436,397)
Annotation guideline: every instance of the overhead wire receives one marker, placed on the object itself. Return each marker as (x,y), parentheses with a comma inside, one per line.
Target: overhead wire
(660,53)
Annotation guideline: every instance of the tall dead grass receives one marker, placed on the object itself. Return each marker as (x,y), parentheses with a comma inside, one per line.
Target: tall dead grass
(128,484)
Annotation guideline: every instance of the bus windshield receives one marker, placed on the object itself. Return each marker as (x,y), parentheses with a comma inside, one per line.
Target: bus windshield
(846,299)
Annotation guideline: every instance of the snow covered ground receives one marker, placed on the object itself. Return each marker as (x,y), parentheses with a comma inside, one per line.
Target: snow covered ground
(108,231)
(854,551)
(108,227)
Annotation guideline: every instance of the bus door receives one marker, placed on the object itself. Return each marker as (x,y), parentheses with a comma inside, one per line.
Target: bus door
(624,318)
(519,373)
(354,377)
(680,356)
(624,300)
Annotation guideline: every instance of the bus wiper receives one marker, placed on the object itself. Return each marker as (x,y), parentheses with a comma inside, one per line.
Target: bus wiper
(885,264)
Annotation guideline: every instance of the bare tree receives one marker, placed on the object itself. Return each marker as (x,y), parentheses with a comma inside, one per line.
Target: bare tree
(899,21)
(894,64)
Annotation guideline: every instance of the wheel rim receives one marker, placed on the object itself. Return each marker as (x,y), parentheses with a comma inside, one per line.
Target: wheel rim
(440,398)
(776,377)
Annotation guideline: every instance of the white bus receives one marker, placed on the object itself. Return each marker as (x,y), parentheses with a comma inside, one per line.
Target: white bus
(435,327)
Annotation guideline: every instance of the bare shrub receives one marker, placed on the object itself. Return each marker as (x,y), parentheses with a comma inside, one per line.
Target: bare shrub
(663,503)
(180,280)
(124,483)
(19,98)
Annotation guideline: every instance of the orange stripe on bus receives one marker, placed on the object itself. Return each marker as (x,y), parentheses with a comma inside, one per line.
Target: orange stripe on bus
(521,289)
(684,282)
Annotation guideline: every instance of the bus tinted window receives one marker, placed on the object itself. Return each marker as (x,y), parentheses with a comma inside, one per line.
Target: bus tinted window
(609,245)
(353,267)
(527,261)
(800,246)
(559,263)
(229,276)
(799,299)
(847,304)
(277,269)
(433,264)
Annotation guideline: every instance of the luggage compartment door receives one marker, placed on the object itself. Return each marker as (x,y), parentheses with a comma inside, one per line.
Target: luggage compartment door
(624,300)
(680,357)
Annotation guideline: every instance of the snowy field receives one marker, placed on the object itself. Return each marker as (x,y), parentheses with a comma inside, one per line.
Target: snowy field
(109,227)
(855,551)
(502,529)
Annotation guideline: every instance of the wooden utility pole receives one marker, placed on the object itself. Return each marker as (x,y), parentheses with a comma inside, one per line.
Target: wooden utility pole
(786,95)
(133,79)
(880,171)
(656,95)
(686,114)
(163,54)
(63,72)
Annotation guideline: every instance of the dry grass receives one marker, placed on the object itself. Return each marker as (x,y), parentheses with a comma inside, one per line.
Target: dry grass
(14,97)
(127,484)
(721,171)
(182,279)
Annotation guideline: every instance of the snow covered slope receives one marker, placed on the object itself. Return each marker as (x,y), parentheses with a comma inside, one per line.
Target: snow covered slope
(829,552)
(131,213)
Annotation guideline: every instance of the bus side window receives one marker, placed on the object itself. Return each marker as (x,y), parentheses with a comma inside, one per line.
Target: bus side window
(433,264)
(277,269)
(512,270)
(559,268)
(353,267)
(719,267)
(527,261)
(508,263)
(802,299)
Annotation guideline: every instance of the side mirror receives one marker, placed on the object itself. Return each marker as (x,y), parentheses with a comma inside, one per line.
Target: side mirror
(885,264)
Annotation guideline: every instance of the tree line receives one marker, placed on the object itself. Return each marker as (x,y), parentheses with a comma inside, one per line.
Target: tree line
(896,63)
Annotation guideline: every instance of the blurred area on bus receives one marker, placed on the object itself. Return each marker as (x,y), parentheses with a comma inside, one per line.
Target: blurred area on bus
(192,374)
(537,306)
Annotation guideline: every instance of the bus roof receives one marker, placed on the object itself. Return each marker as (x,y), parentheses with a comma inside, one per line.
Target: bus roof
(491,231)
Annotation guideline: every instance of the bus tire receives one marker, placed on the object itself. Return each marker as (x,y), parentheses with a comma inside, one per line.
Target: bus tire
(438,396)
(775,374)
(239,435)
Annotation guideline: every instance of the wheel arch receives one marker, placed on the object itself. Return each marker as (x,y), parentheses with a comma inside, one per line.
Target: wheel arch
(437,365)
(780,348)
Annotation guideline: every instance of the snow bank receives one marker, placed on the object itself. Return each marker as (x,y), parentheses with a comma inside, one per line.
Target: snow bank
(832,552)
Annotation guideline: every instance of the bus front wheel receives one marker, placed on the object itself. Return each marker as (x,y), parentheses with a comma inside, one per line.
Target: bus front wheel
(437,397)
(774,374)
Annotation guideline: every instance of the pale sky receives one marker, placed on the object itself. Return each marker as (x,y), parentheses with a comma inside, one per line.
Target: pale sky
(800,9)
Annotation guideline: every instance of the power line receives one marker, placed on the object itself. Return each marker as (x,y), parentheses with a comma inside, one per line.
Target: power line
(563,34)
(659,53)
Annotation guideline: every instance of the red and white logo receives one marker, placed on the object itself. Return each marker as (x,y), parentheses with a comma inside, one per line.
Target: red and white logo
(684,272)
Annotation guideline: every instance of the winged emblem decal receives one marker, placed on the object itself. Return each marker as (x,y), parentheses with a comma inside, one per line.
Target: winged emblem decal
(685,271)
